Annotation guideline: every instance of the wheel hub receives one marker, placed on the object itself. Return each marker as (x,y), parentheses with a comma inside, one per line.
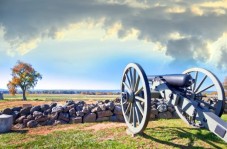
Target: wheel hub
(131,96)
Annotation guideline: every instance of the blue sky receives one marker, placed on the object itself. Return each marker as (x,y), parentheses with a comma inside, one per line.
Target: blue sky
(87,44)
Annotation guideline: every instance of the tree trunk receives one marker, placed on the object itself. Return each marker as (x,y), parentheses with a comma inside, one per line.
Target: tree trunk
(24,97)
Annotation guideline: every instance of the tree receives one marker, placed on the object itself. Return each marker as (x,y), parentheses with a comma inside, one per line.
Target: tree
(23,76)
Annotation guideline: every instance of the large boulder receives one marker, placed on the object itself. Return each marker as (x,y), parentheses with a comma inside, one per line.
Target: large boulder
(53,116)
(20,119)
(104,113)
(101,119)
(102,107)
(16,108)
(96,109)
(72,112)
(32,124)
(53,104)
(162,107)
(109,105)
(76,120)
(90,117)
(64,117)
(7,111)
(44,107)
(41,118)
(25,110)
(118,110)
(37,113)
(165,115)
(79,113)
(35,108)
(57,109)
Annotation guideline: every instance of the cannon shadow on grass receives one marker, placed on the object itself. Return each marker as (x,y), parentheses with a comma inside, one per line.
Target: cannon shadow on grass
(182,133)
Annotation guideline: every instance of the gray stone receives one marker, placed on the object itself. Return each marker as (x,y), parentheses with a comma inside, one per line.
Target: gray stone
(48,111)
(120,118)
(57,109)
(96,109)
(25,110)
(152,116)
(35,108)
(86,109)
(53,104)
(64,117)
(79,108)
(16,108)
(165,115)
(154,111)
(66,108)
(44,107)
(37,113)
(7,111)
(91,117)
(25,121)
(20,119)
(57,122)
(53,116)
(162,107)
(104,113)
(41,118)
(79,113)
(19,126)
(72,111)
(76,120)
(70,102)
(117,110)
(101,119)
(110,105)
(113,118)
(102,107)
(16,114)
(32,124)
(42,123)
(171,109)
(6,122)
(30,117)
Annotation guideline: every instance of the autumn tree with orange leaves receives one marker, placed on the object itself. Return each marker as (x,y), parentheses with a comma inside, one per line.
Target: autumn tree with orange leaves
(24,77)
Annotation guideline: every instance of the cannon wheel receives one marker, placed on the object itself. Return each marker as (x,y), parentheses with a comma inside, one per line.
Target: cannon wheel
(135,98)
(204,80)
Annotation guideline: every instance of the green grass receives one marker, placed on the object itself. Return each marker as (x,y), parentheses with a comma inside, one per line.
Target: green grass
(49,97)
(172,133)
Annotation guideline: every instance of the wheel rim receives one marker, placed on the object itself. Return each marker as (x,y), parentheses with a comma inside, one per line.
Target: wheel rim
(135,98)
(204,81)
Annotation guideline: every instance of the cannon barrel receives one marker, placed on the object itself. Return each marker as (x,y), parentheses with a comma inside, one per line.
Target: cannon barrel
(177,80)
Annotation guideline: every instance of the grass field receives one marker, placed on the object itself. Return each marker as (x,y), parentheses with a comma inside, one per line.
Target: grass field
(172,133)
(59,97)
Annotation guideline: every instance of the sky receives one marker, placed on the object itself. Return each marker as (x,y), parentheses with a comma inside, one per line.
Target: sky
(86,44)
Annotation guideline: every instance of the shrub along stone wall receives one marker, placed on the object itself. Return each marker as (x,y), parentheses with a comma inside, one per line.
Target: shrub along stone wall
(79,112)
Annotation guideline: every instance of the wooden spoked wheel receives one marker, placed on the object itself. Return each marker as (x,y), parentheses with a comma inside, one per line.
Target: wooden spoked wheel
(135,98)
(207,90)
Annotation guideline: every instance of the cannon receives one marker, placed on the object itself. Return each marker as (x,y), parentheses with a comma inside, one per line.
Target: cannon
(197,96)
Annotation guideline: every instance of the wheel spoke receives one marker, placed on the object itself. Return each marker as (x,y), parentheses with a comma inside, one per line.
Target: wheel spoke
(126,75)
(126,85)
(130,114)
(134,79)
(137,83)
(196,77)
(130,71)
(139,107)
(201,83)
(205,89)
(128,107)
(137,115)
(139,99)
(134,116)
(138,91)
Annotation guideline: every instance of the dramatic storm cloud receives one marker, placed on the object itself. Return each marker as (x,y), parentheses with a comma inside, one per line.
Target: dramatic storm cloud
(183,29)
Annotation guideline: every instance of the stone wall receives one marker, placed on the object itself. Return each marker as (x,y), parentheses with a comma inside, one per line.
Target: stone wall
(78,112)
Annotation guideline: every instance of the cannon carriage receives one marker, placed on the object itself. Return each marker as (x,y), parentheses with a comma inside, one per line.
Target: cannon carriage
(186,92)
